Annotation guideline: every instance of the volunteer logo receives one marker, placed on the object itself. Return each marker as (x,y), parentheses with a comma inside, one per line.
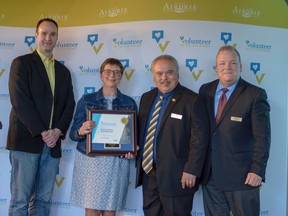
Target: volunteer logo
(191,64)
(86,70)
(119,43)
(255,68)
(158,35)
(89,90)
(252,45)
(246,12)
(92,38)
(179,7)
(30,40)
(113,12)
(128,72)
(60,204)
(191,42)
(6,45)
(66,45)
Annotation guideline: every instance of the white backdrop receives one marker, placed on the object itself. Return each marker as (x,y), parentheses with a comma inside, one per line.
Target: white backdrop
(194,44)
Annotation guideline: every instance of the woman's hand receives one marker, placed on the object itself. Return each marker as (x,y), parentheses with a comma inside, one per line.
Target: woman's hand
(86,128)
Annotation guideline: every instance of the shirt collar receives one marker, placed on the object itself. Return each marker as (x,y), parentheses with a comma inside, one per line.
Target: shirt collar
(230,88)
(44,58)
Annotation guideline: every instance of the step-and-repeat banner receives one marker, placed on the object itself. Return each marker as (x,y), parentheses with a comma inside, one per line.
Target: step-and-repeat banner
(136,33)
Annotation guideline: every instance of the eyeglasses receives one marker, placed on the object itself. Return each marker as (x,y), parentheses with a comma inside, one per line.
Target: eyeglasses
(108,72)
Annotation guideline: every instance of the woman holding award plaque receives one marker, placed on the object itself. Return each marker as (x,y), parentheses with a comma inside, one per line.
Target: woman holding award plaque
(100,182)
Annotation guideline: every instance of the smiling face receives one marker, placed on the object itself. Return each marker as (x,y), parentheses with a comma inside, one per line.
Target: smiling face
(228,67)
(111,76)
(165,75)
(46,38)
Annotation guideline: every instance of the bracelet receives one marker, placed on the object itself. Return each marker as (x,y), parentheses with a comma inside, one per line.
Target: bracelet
(79,133)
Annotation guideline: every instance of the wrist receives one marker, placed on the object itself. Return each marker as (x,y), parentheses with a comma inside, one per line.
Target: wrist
(79,133)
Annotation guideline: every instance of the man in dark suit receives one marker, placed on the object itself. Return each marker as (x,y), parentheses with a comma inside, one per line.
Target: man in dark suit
(239,143)
(42,101)
(173,143)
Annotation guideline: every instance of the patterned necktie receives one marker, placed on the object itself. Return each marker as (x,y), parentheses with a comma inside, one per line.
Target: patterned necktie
(221,104)
(147,162)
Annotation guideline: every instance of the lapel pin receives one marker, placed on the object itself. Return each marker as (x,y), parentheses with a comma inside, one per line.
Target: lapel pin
(173,100)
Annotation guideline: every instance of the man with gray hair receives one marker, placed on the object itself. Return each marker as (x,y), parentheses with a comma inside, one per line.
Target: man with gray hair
(173,128)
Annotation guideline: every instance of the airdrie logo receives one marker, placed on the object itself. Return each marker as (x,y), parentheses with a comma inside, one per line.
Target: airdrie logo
(226,37)
(128,72)
(255,68)
(29,40)
(92,38)
(246,12)
(157,35)
(179,7)
(191,64)
(113,12)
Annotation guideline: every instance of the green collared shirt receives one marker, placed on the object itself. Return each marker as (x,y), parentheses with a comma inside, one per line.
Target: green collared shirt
(50,69)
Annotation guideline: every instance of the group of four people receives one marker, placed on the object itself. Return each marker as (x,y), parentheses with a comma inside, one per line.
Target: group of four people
(180,142)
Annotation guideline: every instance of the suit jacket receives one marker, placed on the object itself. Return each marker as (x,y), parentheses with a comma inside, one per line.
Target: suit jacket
(32,99)
(181,142)
(240,142)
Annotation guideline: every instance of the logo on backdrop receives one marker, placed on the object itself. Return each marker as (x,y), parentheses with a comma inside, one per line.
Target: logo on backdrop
(2,72)
(226,37)
(56,17)
(158,35)
(255,67)
(92,38)
(179,7)
(66,45)
(59,204)
(30,40)
(191,64)
(89,90)
(4,96)
(59,181)
(3,201)
(113,12)
(252,45)
(148,68)
(192,42)
(120,43)
(6,45)
(246,12)
(86,70)
(128,71)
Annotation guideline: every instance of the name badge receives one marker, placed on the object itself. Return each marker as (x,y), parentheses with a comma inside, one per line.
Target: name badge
(234,118)
(176,116)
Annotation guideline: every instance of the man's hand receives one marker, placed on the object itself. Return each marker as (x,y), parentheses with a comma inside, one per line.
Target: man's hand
(188,180)
(51,136)
(253,180)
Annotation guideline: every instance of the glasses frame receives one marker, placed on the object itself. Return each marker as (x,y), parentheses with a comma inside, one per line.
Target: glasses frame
(116,73)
